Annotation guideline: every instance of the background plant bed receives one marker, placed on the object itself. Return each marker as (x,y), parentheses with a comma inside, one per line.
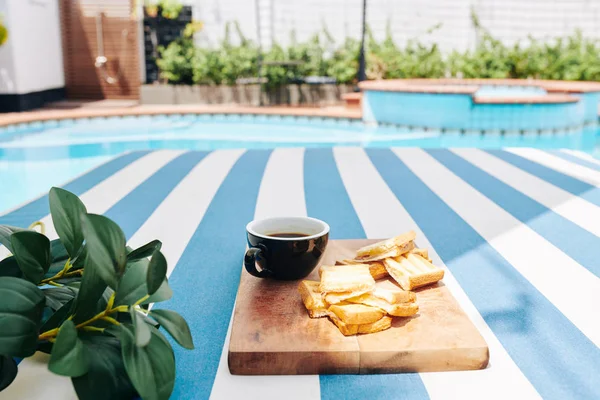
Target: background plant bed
(314,94)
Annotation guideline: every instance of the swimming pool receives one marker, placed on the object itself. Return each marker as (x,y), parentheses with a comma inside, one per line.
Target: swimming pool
(35,156)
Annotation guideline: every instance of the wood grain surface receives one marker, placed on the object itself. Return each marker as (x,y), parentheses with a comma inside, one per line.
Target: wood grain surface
(273,335)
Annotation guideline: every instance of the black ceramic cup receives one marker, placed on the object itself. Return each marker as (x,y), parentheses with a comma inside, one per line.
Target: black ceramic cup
(285,248)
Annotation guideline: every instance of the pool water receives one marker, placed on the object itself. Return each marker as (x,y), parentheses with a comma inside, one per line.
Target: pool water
(34,157)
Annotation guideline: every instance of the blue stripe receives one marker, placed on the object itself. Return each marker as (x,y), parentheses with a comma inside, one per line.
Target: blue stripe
(575,159)
(577,243)
(39,208)
(135,208)
(327,199)
(206,278)
(565,182)
(554,355)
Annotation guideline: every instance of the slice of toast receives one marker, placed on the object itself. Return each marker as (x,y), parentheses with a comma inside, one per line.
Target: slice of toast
(394,252)
(421,252)
(397,309)
(394,296)
(378,326)
(376,268)
(350,329)
(351,278)
(338,297)
(413,271)
(347,330)
(320,313)
(356,314)
(312,299)
(397,243)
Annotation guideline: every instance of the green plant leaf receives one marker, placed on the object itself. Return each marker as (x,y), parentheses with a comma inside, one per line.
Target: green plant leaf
(157,271)
(105,244)
(90,291)
(32,251)
(8,371)
(66,210)
(56,297)
(68,357)
(10,267)
(106,377)
(58,317)
(5,233)
(145,251)
(141,329)
(133,287)
(20,317)
(150,368)
(175,325)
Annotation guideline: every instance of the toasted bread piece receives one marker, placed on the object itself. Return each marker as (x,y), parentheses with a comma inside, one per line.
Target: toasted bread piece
(376,268)
(377,326)
(338,297)
(351,329)
(413,271)
(421,252)
(312,299)
(347,330)
(386,246)
(394,296)
(397,310)
(356,314)
(351,278)
(320,313)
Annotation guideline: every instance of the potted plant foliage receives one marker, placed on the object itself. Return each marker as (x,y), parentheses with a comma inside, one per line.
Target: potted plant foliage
(85,300)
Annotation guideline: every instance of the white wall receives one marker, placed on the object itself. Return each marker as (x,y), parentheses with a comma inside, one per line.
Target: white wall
(508,20)
(31,60)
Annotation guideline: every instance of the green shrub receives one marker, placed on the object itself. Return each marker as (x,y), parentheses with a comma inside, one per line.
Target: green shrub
(571,58)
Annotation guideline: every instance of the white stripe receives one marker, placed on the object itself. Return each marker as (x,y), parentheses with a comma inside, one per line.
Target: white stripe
(175,220)
(583,155)
(573,208)
(545,266)
(98,200)
(107,193)
(281,193)
(580,172)
(382,216)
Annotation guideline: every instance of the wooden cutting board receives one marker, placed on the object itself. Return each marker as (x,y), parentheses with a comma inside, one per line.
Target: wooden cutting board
(273,335)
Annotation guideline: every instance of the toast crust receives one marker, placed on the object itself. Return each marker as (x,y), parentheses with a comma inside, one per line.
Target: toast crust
(356,314)
(413,271)
(386,246)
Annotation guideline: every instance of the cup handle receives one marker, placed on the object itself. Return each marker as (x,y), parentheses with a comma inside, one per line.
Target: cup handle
(252,254)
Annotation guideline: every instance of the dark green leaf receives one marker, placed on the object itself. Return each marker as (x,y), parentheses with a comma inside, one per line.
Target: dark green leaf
(175,325)
(105,244)
(20,316)
(8,371)
(163,293)
(145,251)
(58,317)
(150,368)
(133,287)
(10,267)
(58,251)
(56,297)
(106,377)
(68,357)
(5,233)
(126,318)
(32,251)
(66,210)
(157,271)
(91,290)
(142,330)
